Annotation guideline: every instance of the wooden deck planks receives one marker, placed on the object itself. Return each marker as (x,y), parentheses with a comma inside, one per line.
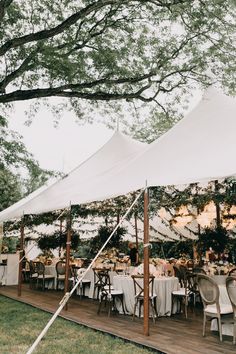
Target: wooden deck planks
(171,335)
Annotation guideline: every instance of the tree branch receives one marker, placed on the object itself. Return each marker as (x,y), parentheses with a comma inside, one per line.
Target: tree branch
(45,34)
(16,73)
(76,90)
(71,20)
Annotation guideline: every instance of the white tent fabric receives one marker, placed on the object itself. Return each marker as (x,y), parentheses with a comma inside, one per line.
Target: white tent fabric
(200,147)
(119,149)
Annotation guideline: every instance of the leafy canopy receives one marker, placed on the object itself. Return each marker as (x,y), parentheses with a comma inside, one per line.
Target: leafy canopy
(109,50)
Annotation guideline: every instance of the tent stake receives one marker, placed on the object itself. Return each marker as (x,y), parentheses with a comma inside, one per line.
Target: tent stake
(22,229)
(146,266)
(68,244)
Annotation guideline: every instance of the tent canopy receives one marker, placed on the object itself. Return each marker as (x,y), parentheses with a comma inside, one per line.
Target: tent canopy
(119,149)
(200,147)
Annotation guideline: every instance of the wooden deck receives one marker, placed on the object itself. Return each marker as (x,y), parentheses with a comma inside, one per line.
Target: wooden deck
(171,335)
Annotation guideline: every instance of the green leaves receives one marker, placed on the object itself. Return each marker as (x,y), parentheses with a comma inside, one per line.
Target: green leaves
(78,42)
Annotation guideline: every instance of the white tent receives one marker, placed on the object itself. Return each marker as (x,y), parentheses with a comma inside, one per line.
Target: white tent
(119,149)
(200,147)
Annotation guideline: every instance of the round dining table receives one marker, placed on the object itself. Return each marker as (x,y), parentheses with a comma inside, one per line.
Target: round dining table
(163,287)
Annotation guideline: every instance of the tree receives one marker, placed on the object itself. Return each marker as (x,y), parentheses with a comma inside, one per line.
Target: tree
(91,52)
(15,162)
(10,188)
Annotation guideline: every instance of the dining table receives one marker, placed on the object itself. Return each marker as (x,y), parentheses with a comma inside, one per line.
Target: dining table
(163,287)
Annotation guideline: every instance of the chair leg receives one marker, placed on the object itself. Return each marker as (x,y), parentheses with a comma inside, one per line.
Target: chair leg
(99,306)
(186,307)
(234,334)
(80,290)
(109,307)
(135,306)
(121,298)
(220,328)
(153,312)
(204,324)
(139,312)
(172,304)
(94,289)
(155,308)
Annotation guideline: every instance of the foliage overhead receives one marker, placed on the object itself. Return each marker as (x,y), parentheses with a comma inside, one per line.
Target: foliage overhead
(110,50)
(103,233)
(47,242)
(217,239)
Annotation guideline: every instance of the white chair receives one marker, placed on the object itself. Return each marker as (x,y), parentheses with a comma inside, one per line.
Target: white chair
(209,292)
(83,283)
(42,277)
(61,271)
(231,290)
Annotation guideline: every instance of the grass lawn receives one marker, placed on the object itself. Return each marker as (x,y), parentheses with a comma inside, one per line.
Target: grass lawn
(21,324)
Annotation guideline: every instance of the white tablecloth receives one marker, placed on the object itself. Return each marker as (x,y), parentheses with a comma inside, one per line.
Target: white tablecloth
(163,287)
(227,328)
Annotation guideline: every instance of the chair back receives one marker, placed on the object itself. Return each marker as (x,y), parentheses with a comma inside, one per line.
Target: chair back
(40,268)
(60,268)
(231,290)
(191,280)
(209,290)
(101,278)
(138,281)
(32,267)
(181,272)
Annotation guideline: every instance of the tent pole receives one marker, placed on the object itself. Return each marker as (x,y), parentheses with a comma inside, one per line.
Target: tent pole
(68,244)
(60,237)
(146,265)
(136,229)
(22,231)
(217,204)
